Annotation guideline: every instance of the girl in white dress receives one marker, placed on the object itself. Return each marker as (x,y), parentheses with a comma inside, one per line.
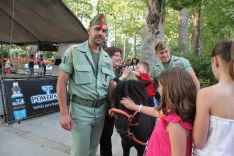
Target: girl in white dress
(213,133)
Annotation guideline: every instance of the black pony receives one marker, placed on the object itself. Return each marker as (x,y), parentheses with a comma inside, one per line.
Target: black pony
(134,128)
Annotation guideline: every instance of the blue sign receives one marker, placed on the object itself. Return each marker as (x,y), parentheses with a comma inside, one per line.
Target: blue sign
(30,97)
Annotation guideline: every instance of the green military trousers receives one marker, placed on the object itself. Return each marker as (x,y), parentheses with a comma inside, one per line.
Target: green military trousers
(87,129)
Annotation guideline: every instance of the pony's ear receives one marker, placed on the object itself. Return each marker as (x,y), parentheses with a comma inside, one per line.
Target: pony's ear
(145,83)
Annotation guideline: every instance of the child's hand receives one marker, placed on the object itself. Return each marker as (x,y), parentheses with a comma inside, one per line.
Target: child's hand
(129,104)
(125,73)
(135,73)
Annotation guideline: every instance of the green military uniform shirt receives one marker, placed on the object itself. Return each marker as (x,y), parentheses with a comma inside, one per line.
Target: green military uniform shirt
(174,62)
(85,81)
(78,62)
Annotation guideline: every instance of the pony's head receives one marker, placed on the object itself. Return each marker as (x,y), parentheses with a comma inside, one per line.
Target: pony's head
(134,89)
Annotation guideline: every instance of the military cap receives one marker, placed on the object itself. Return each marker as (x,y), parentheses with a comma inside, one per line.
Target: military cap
(161,46)
(98,20)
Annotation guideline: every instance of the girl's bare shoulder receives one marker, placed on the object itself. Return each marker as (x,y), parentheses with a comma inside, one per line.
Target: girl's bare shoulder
(207,91)
(209,94)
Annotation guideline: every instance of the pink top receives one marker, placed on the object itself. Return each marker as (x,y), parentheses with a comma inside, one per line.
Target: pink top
(159,143)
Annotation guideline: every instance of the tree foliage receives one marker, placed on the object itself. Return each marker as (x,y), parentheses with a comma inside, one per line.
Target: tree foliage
(125,19)
(217,22)
(180,4)
(83,9)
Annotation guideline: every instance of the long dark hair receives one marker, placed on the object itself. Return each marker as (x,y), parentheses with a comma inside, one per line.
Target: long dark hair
(225,49)
(135,60)
(178,93)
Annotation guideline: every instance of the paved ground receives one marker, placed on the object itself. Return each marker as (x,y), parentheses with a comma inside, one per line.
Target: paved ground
(41,136)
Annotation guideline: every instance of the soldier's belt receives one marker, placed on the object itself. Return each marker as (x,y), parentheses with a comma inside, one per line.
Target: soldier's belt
(88,103)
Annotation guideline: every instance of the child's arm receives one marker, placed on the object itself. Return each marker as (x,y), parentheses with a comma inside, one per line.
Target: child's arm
(178,139)
(128,103)
(201,123)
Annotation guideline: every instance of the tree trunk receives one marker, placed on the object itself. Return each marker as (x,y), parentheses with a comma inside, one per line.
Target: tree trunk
(124,48)
(115,33)
(196,29)
(134,47)
(183,18)
(153,32)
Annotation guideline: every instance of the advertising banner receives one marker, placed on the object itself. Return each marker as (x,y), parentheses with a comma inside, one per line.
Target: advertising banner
(26,98)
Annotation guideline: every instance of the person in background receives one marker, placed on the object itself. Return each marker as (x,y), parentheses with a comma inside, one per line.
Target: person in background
(87,69)
(126,62)
(172,135)
(214,121)
(42,66)
(121,74)
(133,64)
(7,67)
(1,67)
(31,65)
(162,51)
(142,73)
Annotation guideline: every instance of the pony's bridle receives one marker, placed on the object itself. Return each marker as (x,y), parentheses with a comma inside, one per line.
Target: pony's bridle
(130,118)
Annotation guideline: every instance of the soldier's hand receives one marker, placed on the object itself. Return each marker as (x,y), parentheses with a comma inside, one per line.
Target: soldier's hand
(111,113)
(66,122)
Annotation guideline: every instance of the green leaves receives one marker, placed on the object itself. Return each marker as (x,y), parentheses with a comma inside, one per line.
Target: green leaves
(125,19)
(180,4)
(217,21)
(83,9)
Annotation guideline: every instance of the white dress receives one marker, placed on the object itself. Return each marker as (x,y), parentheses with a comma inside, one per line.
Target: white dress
(220,138)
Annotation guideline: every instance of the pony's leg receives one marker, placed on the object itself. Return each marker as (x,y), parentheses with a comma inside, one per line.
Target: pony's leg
(126,147)
(140,150)
(126,151)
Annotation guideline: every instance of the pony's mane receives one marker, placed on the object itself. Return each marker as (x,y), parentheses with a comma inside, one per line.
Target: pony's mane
(136,90)
(130,88)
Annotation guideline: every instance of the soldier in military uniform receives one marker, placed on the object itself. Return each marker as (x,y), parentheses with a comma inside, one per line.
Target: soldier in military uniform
(162,51)
(88,70)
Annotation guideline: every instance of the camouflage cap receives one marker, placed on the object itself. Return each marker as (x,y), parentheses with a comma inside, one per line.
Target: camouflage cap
(161,46)
(98,20)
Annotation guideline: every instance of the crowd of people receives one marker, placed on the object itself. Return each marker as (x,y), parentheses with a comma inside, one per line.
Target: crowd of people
(40,61)
(7,67)
(190,119)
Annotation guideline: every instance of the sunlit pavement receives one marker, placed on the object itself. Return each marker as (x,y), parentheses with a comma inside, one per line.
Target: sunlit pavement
(42,136)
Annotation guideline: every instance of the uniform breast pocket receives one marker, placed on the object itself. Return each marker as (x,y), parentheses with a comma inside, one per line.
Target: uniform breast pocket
(106,75)
(82,74)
